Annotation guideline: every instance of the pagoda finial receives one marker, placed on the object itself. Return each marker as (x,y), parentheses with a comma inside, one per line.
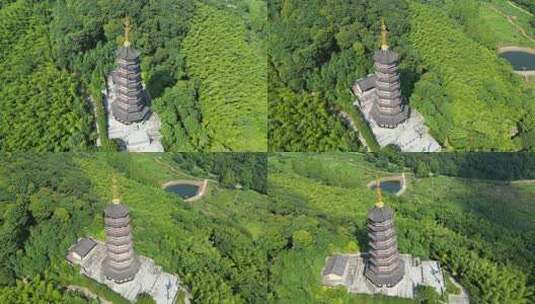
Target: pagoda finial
(127,30)
(114,190)
(379,196)
(384,35)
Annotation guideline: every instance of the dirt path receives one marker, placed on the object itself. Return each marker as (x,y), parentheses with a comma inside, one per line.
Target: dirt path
(347,118)
(511,21)
(178,172)
(524,182)
(88,293)
(94,106)
(520,8)
(203,186)
(171,168)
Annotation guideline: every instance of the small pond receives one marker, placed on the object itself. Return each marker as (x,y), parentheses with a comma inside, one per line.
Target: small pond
(521,61)
(389,186)
(185,191)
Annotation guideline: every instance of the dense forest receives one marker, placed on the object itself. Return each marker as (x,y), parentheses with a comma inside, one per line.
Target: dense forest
(528,5)
(482,232)
(481,165)
(474,214)
(48,200)
(222,106)
(450,72)
(232,169)
(57,54)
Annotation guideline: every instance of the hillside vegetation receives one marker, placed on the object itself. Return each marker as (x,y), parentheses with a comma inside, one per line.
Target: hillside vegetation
(307,116)
(480,231)
(510,25)
(56,56)
(233,80)
(450,71)
(243,246)
(41,106)
(317,49)
(484,101)
(46,202)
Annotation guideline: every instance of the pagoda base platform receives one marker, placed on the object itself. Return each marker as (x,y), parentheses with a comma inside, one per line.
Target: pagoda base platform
(410,136)
(163,287)
(350,274)
(142,136)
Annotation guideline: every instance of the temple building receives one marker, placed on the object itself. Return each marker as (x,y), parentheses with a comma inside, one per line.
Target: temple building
(383,270)
(130,104)
(120,264)
(384,267)
(81,250)
(387,112)
(114,264)
(389,109)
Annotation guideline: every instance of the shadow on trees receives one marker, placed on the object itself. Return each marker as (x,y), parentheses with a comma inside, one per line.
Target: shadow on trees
(158,82)
(497,222)
(477,165)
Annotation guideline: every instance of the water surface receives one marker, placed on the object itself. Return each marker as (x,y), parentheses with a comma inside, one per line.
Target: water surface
(185,191)
(521,61)
(389,186)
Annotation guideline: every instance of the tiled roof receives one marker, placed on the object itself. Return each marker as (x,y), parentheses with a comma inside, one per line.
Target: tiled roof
(84,246)
(127,53)
(335,265)
(116,211)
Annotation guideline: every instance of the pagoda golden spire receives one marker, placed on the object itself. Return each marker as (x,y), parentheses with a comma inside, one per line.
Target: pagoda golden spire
(127,30)
(114,190)
(379,196)
(384,35)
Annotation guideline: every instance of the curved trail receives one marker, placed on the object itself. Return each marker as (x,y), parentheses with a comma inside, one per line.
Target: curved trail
(520,8)
(510,20)
(524,182)
(178,172)
(349,120)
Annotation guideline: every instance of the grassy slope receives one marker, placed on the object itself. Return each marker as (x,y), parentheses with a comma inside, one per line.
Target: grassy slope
(478,121)
(507,205)
(336,189)
(150,206)
(521,16)
(503,32)
(239,207)
(298,279)
(161,221)
(233,93)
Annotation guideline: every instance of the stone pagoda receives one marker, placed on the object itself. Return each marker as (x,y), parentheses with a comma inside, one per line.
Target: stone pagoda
(389,109)
(384,267)
(114,263)
(120,264)
(130,104)
(383,270)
